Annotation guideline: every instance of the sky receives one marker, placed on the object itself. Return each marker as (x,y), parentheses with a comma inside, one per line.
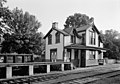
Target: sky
(106,13)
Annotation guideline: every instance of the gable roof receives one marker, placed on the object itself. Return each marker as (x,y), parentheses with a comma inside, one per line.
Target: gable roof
(70,31)
(61,31)
(79,29)
(83,28)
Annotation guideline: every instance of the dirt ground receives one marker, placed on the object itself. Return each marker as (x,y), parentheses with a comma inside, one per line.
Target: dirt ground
(113,80)
(85,72)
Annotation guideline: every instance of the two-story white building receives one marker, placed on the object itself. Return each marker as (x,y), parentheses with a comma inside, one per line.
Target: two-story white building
(83,46)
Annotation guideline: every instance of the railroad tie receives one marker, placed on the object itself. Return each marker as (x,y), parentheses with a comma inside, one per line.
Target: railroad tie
(24,80)
(11,82)
(18,81)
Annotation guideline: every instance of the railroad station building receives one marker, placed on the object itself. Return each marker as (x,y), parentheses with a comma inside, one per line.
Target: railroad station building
(82,46)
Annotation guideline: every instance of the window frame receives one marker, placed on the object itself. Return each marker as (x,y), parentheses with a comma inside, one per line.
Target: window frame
(57,37)
(92,36)
(73,39)
(49,39)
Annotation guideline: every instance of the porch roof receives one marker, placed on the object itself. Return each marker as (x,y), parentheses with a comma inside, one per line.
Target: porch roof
(83,47)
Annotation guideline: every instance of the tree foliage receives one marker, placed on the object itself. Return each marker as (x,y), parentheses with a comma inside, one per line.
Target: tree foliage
(5,15)
(22,35)
(111,42)
(77,20)
(2,2)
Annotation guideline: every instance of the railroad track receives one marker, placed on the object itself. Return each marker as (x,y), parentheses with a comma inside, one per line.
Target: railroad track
(91,76)
(30,79)
(38,78)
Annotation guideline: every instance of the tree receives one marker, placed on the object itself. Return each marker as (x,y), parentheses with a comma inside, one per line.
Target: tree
(5,15)
(22,34)
(2,2)
(39,43)
(111,42)
(77,20)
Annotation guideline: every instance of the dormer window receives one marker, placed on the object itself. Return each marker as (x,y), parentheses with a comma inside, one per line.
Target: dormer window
(57,35)
(50,39)
(92,37)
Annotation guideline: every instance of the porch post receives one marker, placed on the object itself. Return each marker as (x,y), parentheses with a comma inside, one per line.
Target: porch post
(72,54)
(102,54)
(79,57)
(71,66)
(8,72)
(65,55)
(48,68)
(31,70)
(62,67)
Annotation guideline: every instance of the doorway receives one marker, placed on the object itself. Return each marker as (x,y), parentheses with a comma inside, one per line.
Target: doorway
(53,55)
(76,63)
(77,54)
(83,58)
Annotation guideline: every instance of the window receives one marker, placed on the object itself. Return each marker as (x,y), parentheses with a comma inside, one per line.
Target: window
(99,55)
(73,39)
(57,35)
(98,43)
(92,37)
(91,54)
(83,39)
(50,39)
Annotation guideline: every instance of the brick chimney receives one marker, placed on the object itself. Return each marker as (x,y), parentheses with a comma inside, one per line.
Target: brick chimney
(55,25)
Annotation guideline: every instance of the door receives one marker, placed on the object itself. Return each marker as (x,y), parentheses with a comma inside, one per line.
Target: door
(53,55)
(76,62)
(83,58)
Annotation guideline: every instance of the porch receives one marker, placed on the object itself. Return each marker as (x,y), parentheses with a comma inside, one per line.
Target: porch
(76,56)
(82,55)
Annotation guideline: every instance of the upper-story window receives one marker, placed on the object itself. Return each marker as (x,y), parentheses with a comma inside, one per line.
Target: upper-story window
(83,39)
(50,39)
(98,42)
(92,37)
(73,39)
(57,35)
